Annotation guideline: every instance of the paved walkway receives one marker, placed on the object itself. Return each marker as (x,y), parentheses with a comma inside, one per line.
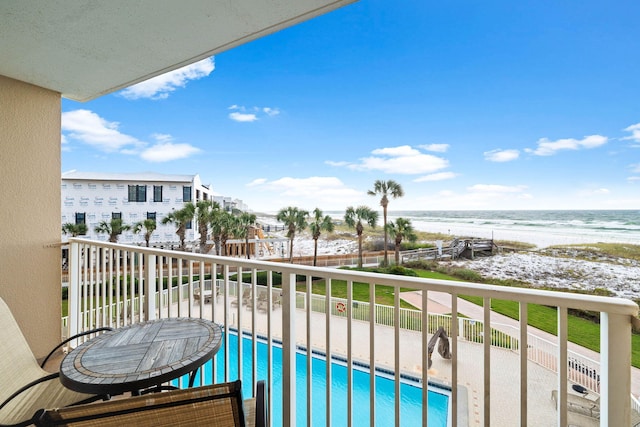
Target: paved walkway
(442,302)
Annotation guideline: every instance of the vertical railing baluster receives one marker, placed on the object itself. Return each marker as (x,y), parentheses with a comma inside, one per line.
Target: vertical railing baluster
(227,310)
(270,352)
(150,287)
(254,329)
(372,354)
(328,310)
(425,358)
(240,319)
(454,359)
(524,358)
(615,381)
(289,349)
(73,291)
(103,286)
(396,352)
(119,296)
(309,310)
(562,366)
(486,344)
(349,354)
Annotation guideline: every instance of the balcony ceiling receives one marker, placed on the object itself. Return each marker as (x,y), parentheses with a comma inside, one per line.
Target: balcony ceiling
(87,48)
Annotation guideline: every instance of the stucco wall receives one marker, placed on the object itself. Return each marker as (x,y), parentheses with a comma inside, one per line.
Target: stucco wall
(30,198)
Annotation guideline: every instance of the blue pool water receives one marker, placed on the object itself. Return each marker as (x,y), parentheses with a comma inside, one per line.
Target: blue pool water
(411,395)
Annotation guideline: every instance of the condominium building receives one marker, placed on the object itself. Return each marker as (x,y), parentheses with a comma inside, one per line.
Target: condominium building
(93,197)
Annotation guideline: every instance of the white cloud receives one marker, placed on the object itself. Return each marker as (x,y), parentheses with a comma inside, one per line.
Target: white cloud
(167,151)
(160,87)
(401,151)
(325,191)
(242,117)
(501,155)
(440,176)
(257,181)
(337,164)
(88,127)
(400,160)
(436,148)
(251,114)
(633,178)
(635,168)
(635,132)
(271,111)
(549,148)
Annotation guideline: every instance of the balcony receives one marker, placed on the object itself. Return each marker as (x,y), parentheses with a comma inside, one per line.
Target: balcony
(490,381)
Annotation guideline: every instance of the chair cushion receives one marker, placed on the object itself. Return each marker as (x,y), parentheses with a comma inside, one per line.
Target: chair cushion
(218,405)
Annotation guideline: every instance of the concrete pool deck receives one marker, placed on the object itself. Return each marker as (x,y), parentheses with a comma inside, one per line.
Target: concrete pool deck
(505,389)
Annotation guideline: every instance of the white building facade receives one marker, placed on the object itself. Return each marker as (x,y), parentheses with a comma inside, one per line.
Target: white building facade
(92,197)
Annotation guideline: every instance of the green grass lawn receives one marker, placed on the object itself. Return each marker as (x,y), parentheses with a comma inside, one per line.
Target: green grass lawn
(580,331)
(384,294)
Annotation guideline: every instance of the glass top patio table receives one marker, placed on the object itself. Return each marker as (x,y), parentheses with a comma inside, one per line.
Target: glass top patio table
(140,356)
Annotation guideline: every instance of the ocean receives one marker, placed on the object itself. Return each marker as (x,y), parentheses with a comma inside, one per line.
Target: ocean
(539,227)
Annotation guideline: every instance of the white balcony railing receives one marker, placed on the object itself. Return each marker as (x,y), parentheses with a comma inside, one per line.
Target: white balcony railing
(115,285)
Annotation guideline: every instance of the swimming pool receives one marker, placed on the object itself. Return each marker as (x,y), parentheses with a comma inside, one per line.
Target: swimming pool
(411,391)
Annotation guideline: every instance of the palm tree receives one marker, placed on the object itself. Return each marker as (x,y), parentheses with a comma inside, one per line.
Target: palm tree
(180,219)
(354,217)
(228,226)
(113,228)
(74,229)
(386,188)
(295,220)
(319,224)
(148,225)
(401,229)
(203,216)
(246,221)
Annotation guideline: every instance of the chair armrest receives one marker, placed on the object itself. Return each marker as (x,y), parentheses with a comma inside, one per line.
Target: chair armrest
(28,386)
(92,331)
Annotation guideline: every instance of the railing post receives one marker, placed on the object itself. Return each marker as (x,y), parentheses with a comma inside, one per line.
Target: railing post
(289,350)
(74,290)
(615,363)
(150,286)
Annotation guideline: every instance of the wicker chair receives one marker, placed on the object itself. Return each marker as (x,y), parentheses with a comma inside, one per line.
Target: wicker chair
(26,386)
(218,405)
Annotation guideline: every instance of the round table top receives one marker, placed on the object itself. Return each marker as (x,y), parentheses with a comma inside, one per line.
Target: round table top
(140,356)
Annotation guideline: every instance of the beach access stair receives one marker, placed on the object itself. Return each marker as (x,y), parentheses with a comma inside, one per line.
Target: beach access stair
(457,248)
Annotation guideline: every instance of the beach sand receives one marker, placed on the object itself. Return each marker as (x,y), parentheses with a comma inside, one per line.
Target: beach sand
(542,268)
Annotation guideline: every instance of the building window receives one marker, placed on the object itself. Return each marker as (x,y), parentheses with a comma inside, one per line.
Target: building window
(197,194)
(81,218)
(151,215)
(157,193)
(137,193)
(186,193)
(189,225)
(116,215)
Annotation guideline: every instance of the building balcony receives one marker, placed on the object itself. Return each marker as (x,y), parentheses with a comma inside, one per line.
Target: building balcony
(506,380)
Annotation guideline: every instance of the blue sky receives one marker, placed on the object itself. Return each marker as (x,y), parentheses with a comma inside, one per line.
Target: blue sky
(468,105)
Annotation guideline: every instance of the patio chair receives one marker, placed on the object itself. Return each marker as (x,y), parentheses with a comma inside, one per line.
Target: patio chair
(580,405)
(218,405)
(26,386)
(263,303)
(246,298)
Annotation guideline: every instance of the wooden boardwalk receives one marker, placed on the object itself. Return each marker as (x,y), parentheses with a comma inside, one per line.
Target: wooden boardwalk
(457,248)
